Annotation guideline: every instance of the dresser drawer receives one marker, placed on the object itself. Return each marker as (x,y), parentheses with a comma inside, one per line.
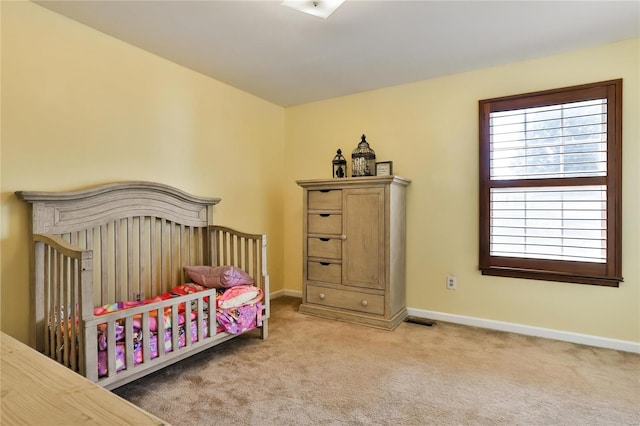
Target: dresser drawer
(325,200)
(330,248)
(344,299)
(325,224)
(325,272)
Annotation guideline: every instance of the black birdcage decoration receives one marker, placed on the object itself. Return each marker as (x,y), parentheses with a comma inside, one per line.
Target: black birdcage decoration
(339,165)
(363,160)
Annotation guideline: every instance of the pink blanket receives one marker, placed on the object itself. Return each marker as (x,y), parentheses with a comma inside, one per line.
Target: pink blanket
(234,319)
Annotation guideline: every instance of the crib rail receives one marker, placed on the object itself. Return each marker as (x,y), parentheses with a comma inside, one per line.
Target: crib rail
(204,320)
(60,272)
(245,251)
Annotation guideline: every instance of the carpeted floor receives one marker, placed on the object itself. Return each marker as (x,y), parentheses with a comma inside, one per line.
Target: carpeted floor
(313,371)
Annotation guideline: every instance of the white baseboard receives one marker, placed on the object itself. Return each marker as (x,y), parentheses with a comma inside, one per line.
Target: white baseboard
(566,336)
(527,330)
(280,293)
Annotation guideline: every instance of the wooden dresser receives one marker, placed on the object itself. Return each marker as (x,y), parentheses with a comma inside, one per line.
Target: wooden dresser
(354,249)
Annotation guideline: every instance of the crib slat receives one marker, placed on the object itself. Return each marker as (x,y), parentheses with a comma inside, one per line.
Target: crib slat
(190,248)
(88,355)
(153,259)
(246,259)
(146,338)
(200,319)
(199,249)
(42,311)
(232,248)
(173,230)
(160,336)
(58,304)
(256,273)
(89,239)
(162,257)
(53,319)
(128,339)
(213,319)
(225,248)
(129,284)
(199,246)
(184,247)
(117,262)
(205,245)
(142,268)
(201,235)
(111,348)
(187,324)
(213,246)
(219,248)
(104,265)
(75,278)
(238,249)
(51,279)
(173,254)
(65,314)
(175,328)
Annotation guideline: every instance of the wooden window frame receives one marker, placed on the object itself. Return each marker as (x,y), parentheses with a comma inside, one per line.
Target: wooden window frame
(604,274)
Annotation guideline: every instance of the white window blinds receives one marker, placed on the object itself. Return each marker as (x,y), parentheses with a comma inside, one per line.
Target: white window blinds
(549,222)
(565,140)
(560,223)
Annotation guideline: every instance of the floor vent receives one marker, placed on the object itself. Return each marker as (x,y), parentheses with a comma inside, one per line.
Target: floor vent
(420,321)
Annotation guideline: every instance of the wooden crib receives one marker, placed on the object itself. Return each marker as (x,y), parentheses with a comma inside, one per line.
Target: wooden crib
(129,241)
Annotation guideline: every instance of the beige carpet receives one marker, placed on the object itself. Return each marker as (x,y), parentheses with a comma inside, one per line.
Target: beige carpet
(313,371)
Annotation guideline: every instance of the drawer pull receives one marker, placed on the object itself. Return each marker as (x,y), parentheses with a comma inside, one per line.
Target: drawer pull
(321,296)
(324,239)
(364,303)
(324,215)
(325,263)
(325,190)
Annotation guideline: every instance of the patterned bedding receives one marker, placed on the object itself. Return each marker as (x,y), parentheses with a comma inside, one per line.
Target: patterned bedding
(238,309)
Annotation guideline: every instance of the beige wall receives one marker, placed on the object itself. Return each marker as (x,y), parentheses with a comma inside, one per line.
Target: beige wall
(80,108)
(429,130)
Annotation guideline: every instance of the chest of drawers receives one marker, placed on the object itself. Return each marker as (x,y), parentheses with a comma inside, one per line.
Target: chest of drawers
(354,250)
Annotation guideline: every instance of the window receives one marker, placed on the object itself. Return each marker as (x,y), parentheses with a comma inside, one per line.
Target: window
(551,185)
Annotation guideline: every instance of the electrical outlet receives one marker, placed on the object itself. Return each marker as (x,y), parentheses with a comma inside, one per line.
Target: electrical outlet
(451,282)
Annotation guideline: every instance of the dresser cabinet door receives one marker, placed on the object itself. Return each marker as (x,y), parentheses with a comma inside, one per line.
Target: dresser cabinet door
(363,260)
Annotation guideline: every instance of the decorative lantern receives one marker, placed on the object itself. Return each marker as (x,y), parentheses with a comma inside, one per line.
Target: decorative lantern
(339,165)
(363,160)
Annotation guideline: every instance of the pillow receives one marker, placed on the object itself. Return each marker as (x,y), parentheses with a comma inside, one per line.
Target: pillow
(218,276)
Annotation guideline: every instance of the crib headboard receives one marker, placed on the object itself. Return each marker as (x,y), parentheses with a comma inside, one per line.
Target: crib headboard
(141,234)
(63,212)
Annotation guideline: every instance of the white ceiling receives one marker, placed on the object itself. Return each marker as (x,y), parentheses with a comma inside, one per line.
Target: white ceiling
(290,58)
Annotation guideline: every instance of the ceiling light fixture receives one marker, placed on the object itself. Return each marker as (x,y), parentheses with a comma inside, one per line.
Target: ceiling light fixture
(319,8)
